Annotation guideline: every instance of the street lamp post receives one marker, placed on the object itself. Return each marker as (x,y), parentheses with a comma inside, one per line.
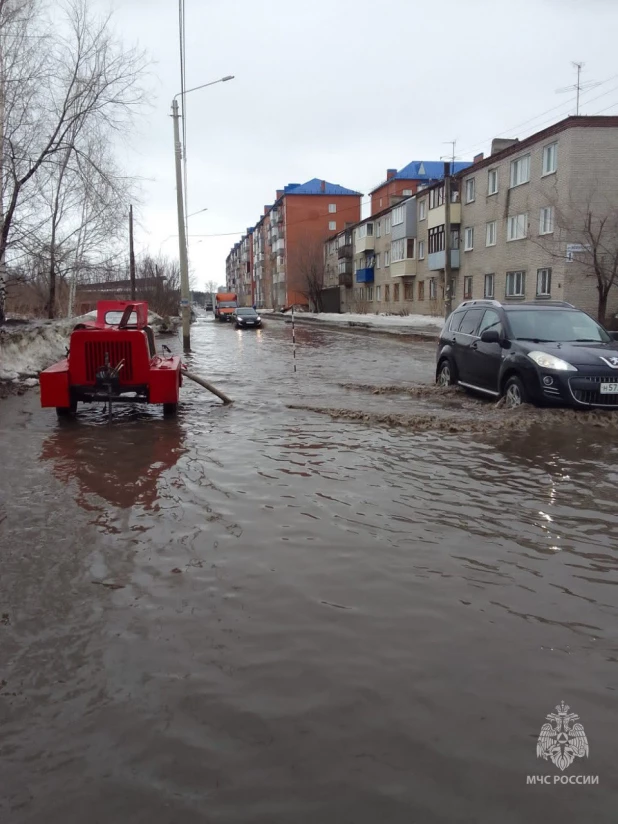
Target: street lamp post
(185,294)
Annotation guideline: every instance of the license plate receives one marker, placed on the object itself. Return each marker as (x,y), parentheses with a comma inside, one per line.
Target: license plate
(609,389)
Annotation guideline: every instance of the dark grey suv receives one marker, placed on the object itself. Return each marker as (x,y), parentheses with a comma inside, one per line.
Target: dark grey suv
(544,353)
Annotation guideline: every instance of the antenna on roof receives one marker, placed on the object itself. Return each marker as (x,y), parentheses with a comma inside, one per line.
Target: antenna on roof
(579,86)
(450,157)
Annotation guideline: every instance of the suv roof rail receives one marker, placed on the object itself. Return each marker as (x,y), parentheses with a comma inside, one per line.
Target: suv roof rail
(481,301)
(547,303)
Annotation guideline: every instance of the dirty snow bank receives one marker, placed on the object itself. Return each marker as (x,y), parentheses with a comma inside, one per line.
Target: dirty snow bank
(26,350)
(382,320)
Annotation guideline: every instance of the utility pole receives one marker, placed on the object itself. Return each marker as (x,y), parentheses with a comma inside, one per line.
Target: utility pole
(448,270)
(182,237)
(131,253)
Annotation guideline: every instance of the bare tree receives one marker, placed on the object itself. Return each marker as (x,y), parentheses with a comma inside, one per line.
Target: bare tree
(53,98)
(310,269)
(158,283)
(585,235)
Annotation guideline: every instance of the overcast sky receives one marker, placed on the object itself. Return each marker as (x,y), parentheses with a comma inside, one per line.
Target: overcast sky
(343,90)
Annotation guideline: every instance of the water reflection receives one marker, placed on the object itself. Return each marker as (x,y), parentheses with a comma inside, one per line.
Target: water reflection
(121,464)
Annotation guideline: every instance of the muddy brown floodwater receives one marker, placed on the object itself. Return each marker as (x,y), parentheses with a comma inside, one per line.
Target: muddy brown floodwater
(265,613)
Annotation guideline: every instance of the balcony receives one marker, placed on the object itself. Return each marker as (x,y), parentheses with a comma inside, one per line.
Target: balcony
(364,244)
(436,260)
(365,275)
(401,268)
(346,267)
(437,216)
(344,251)
(346,279)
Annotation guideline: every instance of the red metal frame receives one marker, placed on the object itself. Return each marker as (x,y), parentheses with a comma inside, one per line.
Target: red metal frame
(153,378)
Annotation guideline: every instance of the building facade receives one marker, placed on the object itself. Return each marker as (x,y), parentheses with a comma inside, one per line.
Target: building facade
(407,181)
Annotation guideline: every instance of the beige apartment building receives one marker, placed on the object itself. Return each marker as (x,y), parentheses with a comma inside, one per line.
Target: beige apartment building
(532,211)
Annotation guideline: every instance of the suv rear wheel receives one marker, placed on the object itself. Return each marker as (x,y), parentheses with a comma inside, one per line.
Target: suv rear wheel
(514,393)
(445,376)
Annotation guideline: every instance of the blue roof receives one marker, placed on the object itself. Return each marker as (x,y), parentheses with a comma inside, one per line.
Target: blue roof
(428,170)
(318,187)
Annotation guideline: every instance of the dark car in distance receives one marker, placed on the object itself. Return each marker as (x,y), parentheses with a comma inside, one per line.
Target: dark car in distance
(542,353)
(245,317)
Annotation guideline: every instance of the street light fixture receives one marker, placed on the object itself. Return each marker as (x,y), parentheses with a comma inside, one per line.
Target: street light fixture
(182,235)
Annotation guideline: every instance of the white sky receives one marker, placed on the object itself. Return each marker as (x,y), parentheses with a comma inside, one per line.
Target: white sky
(343,90)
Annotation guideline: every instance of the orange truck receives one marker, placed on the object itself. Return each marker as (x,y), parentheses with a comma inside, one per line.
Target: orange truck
(225,305)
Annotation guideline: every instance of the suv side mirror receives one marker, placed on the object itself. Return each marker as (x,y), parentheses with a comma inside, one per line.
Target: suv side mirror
(490,336)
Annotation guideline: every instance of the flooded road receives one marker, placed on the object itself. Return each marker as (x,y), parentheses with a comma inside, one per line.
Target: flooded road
(265,614)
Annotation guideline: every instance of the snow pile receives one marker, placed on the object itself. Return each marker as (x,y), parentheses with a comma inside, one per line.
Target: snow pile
(383,320)
(26,350)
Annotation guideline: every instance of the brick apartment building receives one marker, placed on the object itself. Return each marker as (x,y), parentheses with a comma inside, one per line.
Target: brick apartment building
(291,232)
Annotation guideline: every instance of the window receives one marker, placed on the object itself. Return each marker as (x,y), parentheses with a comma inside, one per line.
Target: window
(343,267)
(370,293)
(366,230)
(378,228)
(550,158)
(387,225)
(491,320)
(387,293)
(421,290)
(515,283)
(455,238)
(422,209)
(421,250)
(378,262)
(436,239)
(517,227)
(489,286)
(470,321)
(470,190)
(469,239)
(398,249)
(433,289)
(492,181)
(410,248)
(546,226)
(361,293)
(467,287)
(520,171)
(380,203)
(387,258)
(332,225)
(436,197)
(332,208)
(407,192)
(543,282)
(408,291)
(398,214)
(378,293)
(396,292)
(490,233)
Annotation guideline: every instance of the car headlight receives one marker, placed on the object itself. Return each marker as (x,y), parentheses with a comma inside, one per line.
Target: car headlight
(258,319)
(546,361)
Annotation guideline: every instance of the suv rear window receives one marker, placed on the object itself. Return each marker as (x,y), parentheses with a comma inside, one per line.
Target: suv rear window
(470,321)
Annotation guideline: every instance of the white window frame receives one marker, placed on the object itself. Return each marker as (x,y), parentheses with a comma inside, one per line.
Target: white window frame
(377,264)
(332,208)
(491,233)
(543,274)
(470,190)
(378,228)
(550,153)
(492,174)
(387,259)
(398,250)
(421,250)
(515,225)
(332,225)
(369,292)
(520,171)
(378,293)
(407,192)
(387,225)
(546,220)
(468,238)
(518,278)
(422,209)
(493,285)
(397,216)
(433,288)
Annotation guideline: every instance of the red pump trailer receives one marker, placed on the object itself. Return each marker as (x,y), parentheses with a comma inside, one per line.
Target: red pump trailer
(113,359)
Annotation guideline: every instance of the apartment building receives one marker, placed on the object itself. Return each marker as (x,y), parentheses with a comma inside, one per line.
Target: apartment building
(301,218)
(407,181)
(531,213)
(262,261)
